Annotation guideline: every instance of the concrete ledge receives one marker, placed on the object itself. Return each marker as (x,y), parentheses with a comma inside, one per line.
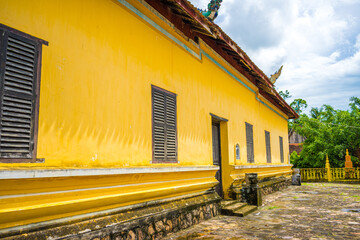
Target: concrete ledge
(266,186)
(34,200)
(145,221)
(44,173)
(272,185)
(261,166)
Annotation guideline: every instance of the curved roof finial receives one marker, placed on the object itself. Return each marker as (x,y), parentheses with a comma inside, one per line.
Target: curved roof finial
(276,75)
(212,12)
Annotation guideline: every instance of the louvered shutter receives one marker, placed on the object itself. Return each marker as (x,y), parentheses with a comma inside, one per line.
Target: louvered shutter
(281,149)
(171,149)
(159,126)
(164,126)
(249,143)
(18,95)
(268,147)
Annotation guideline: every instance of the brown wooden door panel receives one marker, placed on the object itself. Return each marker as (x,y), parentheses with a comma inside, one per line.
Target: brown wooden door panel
(217,155)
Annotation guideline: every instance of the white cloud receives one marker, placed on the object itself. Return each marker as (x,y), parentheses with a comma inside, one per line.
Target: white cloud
(357,44)
(202,4)
(318,42)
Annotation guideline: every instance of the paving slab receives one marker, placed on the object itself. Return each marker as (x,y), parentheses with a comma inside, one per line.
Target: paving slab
(311,211)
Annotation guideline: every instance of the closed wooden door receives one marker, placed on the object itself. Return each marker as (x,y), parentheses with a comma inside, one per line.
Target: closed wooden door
(217,155)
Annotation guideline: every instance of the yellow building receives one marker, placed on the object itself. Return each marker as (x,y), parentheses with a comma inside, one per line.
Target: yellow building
(117,110)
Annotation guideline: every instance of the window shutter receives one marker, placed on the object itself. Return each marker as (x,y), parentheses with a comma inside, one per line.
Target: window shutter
(159,125)
(18,95)
(164,126)
(171,153)
(249,143)
(281,149)
(268,147)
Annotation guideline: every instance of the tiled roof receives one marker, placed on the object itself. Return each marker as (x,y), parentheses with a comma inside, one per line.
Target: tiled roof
(198,25)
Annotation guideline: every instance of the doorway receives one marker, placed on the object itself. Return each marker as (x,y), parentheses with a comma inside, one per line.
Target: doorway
(217,154)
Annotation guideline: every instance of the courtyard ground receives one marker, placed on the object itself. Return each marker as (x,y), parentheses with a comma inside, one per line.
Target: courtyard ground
(310,211)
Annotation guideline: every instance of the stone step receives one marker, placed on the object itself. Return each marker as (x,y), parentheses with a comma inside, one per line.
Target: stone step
(242,212)
(225,203)
(230,209)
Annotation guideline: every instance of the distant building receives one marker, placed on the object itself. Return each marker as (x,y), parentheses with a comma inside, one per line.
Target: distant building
(295,141)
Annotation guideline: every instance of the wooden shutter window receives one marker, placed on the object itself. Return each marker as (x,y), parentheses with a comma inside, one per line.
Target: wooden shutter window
(216,143)
(281,150)
(249,143)
(268,147)
(164,126)
(19,60)
(159,126)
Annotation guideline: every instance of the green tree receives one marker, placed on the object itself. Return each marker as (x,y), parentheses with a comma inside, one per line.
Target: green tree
(355,117)
(285,95)
(315,113)
(299,105)
(329,131)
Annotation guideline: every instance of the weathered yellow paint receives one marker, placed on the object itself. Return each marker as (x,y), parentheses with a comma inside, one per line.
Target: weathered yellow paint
(30,200)
(238,174)
(95,102)
(95,109)
(225,166)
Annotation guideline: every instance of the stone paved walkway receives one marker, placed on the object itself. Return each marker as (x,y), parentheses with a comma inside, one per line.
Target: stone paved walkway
(310,211)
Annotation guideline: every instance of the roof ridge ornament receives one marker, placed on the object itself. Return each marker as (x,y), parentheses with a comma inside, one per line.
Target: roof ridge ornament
(212,12)
(276,75)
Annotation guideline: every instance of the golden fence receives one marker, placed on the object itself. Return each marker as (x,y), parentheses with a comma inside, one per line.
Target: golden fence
(313,174)
(336,174)
(344,174)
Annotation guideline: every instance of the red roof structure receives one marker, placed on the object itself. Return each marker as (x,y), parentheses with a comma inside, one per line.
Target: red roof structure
(193,24)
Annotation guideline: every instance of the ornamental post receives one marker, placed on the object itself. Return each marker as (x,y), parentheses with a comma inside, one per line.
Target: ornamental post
(348,166)
(348,162)
(327,166)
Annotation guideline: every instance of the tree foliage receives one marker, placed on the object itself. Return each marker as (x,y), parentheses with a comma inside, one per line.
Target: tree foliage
(299,105)
(285,95)
(328,131)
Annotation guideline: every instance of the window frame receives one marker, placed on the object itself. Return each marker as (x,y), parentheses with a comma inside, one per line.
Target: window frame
(268,146)
(281,144)
(250,158)
(5,32)
(165,92)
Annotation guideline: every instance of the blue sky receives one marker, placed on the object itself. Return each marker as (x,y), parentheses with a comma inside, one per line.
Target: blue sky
(318,42)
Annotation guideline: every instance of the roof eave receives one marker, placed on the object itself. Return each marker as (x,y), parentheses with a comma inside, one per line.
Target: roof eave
(205,27)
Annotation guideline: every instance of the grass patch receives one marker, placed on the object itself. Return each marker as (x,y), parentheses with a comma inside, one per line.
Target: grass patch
(271,207)
(357,197)
(307,184)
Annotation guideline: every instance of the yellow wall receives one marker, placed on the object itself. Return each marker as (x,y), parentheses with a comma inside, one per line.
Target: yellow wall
(97,72)
(95,109)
